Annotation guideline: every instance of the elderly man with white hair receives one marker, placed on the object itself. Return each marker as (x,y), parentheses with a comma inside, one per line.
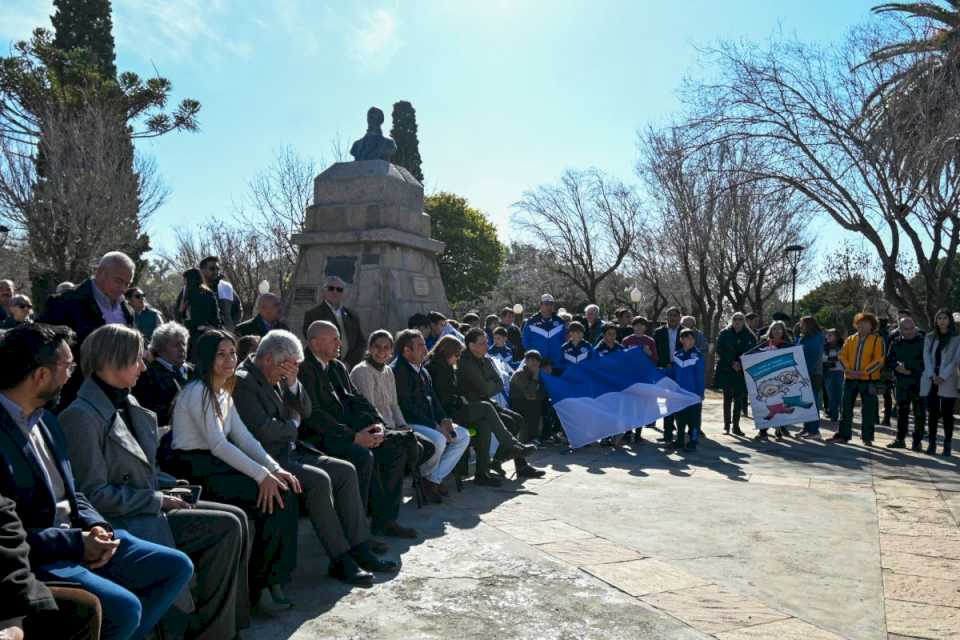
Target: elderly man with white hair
(271,402)
(167,373)
(353,339)
(95,302)
(269,311)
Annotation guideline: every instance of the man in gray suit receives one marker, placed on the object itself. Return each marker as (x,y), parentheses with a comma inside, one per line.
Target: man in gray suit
(113,446)
(271,402)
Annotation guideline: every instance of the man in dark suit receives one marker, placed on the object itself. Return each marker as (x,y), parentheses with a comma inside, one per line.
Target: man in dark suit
(667,339)
(345,425)
(30,606)
(136,581)
(269,310)
(95,302)
(331,310)
(272,403)
(167,373)
(421,407)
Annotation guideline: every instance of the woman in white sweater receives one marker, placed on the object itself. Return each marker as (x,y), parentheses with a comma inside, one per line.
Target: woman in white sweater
(213,448)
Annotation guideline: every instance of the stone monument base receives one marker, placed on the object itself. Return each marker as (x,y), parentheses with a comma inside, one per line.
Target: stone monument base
(367,226)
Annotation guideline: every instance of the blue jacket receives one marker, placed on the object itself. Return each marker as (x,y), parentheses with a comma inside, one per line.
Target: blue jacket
(546,335)
(688,370)
(602,349)
(573,355)
(23,479)
(504,354)
(813,352)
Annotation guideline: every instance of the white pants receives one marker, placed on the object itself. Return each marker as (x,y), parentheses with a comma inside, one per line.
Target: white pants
(446,455)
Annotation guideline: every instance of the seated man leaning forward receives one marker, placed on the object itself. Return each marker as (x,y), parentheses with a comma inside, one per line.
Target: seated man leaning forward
(409,388)
(344,424)
(136,581)
(272,402)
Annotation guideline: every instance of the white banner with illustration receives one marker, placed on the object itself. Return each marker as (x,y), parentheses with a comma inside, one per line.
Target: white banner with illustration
(779,387)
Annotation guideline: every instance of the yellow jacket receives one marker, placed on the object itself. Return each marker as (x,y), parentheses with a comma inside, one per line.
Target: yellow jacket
(867,358)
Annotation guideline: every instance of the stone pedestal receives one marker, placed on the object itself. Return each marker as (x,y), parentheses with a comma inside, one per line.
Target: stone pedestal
(367,226)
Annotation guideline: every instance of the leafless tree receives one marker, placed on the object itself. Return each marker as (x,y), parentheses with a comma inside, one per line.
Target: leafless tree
(588,221)
(802,106)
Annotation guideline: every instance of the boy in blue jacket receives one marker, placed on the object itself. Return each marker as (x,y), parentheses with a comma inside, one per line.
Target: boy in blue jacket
(575,350)
(688,371)
(500,350)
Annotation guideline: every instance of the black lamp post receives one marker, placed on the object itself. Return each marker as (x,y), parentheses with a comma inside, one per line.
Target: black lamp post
(793,252)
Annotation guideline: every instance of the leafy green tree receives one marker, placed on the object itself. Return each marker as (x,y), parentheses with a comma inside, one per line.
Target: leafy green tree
(404,133)
(470,263)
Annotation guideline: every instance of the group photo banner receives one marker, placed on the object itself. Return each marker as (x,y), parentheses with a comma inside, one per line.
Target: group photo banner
(779,388)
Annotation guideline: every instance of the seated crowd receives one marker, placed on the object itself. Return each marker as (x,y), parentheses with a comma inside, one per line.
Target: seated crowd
(164,478)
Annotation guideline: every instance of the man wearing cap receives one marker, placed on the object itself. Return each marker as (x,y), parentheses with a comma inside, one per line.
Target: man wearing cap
(330,309)
(546,332)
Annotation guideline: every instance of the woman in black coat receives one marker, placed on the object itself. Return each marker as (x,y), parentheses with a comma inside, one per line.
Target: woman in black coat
(199,306)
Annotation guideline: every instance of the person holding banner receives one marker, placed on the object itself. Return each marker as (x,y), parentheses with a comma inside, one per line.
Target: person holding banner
(862,357)
(688,371)
(812,340)
(776,338)
(667,340)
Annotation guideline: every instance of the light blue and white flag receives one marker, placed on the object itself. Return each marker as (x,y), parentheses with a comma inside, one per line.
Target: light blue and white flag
(604,397)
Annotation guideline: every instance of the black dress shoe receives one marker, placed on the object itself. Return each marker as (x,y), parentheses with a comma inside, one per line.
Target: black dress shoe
(365,558)
(738,432)
(530,472)
(279,597)
(486,480)
(347,570)
(394,529)
(377,547)
(497,467)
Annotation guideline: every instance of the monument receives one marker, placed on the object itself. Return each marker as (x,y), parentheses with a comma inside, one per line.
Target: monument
(367,226)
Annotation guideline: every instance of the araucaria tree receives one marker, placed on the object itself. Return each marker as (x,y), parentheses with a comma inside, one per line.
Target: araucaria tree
(404,133)
(70,181)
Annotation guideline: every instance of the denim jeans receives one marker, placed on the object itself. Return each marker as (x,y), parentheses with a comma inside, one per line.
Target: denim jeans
(135,588)
(833,383)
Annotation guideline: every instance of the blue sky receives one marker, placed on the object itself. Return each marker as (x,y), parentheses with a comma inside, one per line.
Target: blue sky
(508,94)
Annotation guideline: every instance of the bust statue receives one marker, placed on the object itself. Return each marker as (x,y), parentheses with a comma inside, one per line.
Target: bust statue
(374,145)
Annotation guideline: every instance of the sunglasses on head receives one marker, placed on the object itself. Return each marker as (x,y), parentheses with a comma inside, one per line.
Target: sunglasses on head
(333,288)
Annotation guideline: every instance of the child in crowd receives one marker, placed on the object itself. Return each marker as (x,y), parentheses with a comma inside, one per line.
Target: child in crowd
(688,371)
(833,374)
(608,343)
(501,350)
(575,350)
(489,323)
(639,338)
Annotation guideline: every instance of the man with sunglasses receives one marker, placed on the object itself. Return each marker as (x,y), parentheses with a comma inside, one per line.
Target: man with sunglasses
(146,318)
(332,310)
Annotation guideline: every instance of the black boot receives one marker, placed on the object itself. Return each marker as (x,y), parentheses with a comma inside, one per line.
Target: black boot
(346,569)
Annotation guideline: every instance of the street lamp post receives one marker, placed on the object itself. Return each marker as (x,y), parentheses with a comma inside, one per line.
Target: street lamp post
(793,252)
(636,297)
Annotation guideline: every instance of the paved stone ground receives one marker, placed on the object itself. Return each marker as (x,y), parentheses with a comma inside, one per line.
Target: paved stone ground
(741,540)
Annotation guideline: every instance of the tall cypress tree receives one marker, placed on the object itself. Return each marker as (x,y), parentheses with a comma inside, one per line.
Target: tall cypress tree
(86,24)
(404,133)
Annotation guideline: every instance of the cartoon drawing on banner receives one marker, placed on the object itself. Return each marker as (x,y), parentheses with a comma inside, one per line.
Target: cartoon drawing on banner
(779,387)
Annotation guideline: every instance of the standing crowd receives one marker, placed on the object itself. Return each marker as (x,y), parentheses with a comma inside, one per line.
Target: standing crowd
(153,472)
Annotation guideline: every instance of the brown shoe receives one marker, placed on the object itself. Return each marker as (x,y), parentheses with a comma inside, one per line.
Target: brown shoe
(394,529)
(430,491)
(442,489)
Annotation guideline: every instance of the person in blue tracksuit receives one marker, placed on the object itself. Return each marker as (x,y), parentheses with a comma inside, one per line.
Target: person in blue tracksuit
(608,343)
(575,350)
(545,332)
(501,350)
(688,371)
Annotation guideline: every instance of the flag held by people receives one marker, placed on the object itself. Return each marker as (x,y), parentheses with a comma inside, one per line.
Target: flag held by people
(607,396)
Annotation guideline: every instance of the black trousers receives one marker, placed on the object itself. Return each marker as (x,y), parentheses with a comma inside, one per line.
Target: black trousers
(908,399)
(273,551)
(488,419)
(938,408)
(380,471)
(734,401)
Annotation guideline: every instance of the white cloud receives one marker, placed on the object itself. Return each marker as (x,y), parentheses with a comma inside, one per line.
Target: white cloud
(374,39)
(18,19)
(178,29)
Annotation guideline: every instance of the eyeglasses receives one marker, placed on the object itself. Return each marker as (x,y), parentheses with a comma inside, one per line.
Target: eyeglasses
(24,306)
(337,289)
(137,296)
(70,367)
